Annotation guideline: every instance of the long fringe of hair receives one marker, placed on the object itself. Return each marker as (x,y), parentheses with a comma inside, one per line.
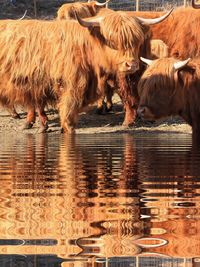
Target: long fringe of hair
(122,31)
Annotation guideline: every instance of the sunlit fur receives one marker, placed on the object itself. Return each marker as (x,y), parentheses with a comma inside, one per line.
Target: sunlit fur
(84,10)
(166,91)
(158,49)
(42,61)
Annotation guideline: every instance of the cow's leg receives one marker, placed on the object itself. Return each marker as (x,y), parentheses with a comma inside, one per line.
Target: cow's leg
(68,113)
(101,106)
(13,112)
(68,123)
(129,97)
(130,114)
(102,86)
(43,118)
(109,95)
(30,119)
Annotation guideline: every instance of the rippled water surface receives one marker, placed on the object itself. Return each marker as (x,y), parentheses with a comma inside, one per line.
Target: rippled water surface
(99,200)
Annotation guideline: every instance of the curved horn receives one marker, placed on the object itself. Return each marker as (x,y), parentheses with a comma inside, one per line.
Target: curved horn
(194,5)
(146,60)
(102,4)
(155,20)
(180,64)
(89,23)
(23,15)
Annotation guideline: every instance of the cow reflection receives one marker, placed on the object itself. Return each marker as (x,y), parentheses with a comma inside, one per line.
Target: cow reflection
(73,190)
(170,172)
(100,197)
(101,176)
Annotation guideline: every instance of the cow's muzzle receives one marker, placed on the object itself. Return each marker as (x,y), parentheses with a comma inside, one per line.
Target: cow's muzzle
(129,66)
(145,113)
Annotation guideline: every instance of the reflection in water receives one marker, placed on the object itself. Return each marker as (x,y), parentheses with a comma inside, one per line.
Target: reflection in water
(103,200)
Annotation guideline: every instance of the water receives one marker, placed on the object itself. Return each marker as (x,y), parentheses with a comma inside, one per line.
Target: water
(99,200)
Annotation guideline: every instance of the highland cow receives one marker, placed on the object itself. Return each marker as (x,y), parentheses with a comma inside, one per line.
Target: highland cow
(171,87)
(177,31)
(66,11)
(83,10)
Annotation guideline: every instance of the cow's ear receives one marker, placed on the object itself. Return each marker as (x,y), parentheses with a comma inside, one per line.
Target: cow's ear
(185,75)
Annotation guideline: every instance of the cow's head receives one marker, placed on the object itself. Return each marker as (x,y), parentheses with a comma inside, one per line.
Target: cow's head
(161,88)
(95,6)
(122,36)
(84,10)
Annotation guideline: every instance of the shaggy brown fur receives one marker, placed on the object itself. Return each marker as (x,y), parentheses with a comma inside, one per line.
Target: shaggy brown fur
(180,31)
(84,10)
(158,49)
(164,91)
(49,62)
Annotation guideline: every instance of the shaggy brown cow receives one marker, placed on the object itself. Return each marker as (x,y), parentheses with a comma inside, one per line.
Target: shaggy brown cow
(49,62)
(88,10)
(84,10)
(66,11)
(177,31)
(169,87)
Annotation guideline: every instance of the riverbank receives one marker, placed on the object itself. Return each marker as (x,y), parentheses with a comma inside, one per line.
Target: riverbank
(91,123)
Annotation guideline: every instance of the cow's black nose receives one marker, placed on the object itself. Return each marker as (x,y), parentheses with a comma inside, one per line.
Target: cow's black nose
(141,111)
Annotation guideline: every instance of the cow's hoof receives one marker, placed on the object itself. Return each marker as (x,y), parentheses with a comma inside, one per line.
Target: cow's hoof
(109,109)
(128,124)
(15,116)
(101,110)
(68,130)
(43,128)
(27,125)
